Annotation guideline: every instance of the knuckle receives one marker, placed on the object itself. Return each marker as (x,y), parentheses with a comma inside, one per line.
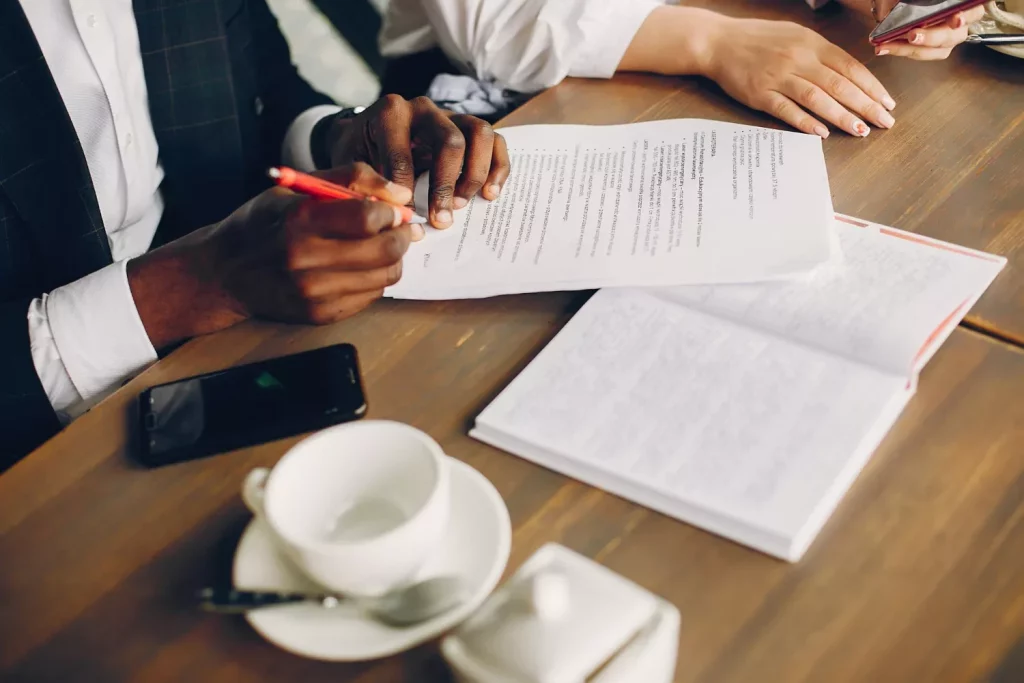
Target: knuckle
(454,139)
(836,85)
(361,171)
(422,102)
(315,313)
(795,54)
(365,211)
(392,101)
(393,274)
(849,66)
(444,191)
(306,286)
(779,108)
(399,163)
(810,95)
(393,247)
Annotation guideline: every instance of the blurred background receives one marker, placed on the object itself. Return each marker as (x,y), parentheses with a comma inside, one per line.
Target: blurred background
(334,45)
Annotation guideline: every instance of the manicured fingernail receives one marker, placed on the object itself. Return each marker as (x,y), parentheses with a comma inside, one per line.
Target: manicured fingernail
(460,202)
(443,216)
(889,103)
(494,190)
(861,129)
(821,131)
(398,219)
(916,38)
(886,120)
(417,232)
(881,52)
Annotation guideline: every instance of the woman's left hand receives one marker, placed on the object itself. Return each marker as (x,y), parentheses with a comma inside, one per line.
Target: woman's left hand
(934,42)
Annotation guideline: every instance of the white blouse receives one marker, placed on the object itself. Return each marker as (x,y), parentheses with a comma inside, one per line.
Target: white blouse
(523,45)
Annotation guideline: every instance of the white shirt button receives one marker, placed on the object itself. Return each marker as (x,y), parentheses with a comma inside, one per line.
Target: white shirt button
(91,21)
(128,140)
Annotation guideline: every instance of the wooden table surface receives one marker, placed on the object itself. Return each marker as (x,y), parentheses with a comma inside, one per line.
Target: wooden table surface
(917,577)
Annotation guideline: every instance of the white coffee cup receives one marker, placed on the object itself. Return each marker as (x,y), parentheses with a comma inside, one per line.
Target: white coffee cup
(358,507)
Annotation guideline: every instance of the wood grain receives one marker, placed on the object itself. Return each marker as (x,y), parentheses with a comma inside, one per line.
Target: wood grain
(916,578)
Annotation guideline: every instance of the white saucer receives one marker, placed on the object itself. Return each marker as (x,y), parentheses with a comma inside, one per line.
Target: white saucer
(475,547)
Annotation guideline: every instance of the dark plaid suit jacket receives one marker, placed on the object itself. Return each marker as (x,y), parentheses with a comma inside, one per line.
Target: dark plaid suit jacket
(222,93)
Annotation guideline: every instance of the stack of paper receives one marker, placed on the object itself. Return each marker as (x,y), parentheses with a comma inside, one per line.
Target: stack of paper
(658,203)
(747,410)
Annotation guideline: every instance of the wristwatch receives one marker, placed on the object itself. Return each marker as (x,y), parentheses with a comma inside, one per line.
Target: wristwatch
(318,137)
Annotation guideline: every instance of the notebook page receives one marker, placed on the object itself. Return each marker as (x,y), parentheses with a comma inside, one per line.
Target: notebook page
(655,203)
(742,433)
(891,301)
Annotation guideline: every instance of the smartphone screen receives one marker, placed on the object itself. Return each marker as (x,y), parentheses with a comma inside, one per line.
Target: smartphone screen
(911,14)
(250,404)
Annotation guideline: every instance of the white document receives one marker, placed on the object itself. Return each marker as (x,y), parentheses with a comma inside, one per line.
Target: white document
(747,410)
(682,201)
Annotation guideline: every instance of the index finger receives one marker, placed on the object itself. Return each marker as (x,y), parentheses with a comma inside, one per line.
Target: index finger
(846,65)
(351,219)
(938,36)
(363,179)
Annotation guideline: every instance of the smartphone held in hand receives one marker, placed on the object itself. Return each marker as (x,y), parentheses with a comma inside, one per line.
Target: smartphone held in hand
(911,14)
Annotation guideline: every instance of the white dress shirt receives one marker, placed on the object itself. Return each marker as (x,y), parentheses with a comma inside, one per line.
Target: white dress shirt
(523,45)
(87,337)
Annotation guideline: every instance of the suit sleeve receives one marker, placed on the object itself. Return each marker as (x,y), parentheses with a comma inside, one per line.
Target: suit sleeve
(26,417)
(285,94)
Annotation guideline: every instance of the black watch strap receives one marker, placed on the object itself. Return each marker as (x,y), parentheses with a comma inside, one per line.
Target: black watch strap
(318,137)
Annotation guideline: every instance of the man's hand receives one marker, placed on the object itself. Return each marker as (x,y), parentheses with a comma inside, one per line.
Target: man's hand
(792,72)
(934,42)
(402,139)
(281,256)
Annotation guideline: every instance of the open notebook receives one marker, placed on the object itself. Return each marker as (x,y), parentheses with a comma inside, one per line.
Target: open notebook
(747,410)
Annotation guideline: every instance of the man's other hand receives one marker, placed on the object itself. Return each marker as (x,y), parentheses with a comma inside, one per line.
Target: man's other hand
(402,139)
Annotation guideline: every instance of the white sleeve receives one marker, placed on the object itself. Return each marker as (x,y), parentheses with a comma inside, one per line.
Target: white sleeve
(526,45)
(86,339)
(295,150)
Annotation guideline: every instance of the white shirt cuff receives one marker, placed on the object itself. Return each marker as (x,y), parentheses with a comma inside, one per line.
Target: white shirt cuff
(87,338)
(295,150)
(608,31)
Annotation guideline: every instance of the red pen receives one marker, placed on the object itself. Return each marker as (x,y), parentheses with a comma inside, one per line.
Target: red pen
(316,187)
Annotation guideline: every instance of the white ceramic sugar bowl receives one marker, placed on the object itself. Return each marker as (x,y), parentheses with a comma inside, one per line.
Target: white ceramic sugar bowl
(566,619)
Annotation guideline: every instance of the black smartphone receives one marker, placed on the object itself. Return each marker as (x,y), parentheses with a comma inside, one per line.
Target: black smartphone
(249,404)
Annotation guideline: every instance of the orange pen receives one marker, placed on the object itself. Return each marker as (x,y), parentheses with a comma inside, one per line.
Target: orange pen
(316,187)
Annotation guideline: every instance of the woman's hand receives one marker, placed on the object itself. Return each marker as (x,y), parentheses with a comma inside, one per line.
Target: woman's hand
(794,74)
(934,42)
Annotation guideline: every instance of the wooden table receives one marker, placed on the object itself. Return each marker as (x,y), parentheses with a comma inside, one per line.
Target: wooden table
(916,578)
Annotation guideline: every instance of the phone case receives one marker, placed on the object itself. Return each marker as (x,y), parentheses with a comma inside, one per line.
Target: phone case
(882,35)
